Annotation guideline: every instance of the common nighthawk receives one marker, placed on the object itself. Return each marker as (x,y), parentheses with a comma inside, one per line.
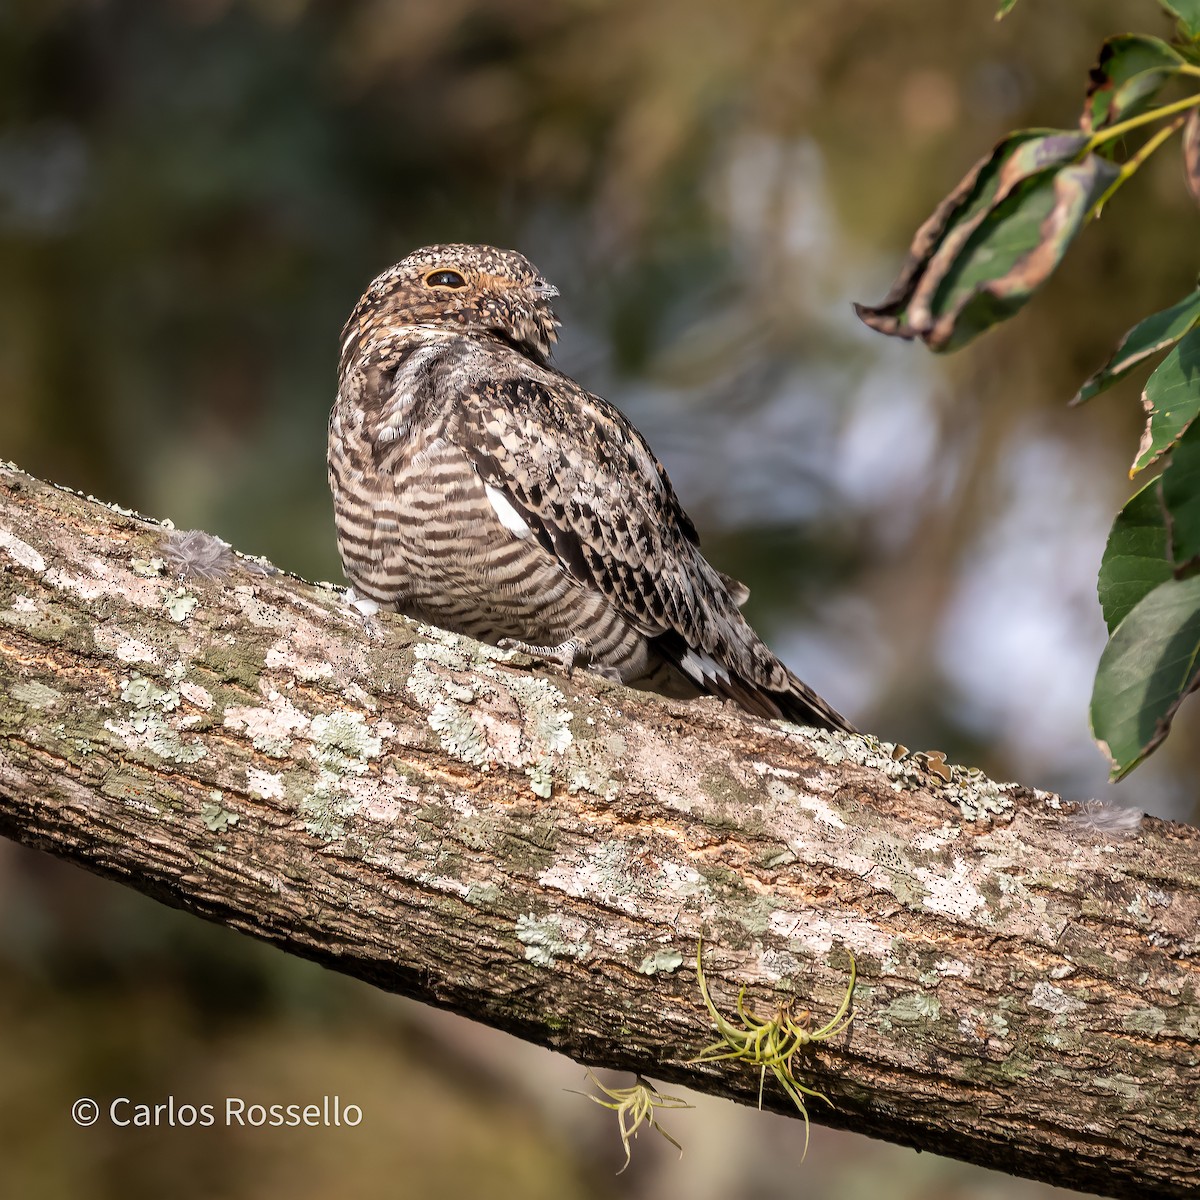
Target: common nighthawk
(479,489)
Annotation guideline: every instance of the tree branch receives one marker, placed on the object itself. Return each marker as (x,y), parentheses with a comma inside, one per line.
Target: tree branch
(542,853)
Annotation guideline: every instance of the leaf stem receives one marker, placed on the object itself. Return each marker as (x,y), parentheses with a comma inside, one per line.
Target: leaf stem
(1123,127)
(1132,164)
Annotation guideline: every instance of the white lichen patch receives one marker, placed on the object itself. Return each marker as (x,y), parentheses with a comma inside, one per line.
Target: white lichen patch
(774,772)
(1055,1000)
(122,645)
(147,726)
(267,784)
(304,661)
(22,553)
(195,695)
(549,938)
(614,872)
(484,717)
(952,968)
(258,612)
(271,728)
(86,587)
(936,839)
(814,935)
(784,793)
(953,894)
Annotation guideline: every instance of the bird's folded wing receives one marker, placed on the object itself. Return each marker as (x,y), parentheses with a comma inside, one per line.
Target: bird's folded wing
(588,486)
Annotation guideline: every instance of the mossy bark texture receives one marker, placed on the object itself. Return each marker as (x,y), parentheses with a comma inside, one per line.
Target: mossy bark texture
(542,853)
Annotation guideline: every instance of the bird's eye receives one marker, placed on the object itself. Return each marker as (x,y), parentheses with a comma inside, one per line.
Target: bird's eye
(445,279)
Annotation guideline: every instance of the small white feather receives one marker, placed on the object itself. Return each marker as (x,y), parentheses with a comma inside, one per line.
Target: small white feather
(509,517)
(702,667)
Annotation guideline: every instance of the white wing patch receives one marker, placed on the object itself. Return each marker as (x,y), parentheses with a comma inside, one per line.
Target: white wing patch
(702,667)
(509,517)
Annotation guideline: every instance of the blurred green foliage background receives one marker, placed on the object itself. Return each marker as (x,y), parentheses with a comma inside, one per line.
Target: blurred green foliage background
(192,195)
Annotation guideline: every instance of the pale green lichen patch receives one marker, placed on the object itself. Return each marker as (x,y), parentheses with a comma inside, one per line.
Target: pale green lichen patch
(147,726)
(180,605)
(589,759)
(35,695)
(342,745)
(148,568)
(325,807)
(1149,1021)
(1063,1033)
(913,1008)
(470,706)
(976,797)
(661,962)
(980,1026)
(343,742)
(545,940)
(541,781)
(1141,907)
(46,622)
(1128,1086)
(216,818)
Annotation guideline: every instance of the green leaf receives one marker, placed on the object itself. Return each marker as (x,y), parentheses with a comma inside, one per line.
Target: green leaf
(1135,558)
(1171,400)
(1006,6)
(1191,153)
(1180,492)
(1188,12)
(994,240)
(1158,332)
(1014,251)
(1131,70)
(1149,665)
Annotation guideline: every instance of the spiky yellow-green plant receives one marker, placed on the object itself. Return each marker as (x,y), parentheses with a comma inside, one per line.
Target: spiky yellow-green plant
(634,1107)
(773,1043)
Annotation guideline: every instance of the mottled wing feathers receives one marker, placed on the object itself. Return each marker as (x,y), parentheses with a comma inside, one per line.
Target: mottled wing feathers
(590,489)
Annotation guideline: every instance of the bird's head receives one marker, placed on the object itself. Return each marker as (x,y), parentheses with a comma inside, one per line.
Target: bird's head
(476,289)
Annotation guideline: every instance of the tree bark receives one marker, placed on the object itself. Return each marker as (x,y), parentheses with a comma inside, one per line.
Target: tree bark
(542,853)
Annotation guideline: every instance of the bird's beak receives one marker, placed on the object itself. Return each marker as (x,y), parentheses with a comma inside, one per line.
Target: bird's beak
(544,290)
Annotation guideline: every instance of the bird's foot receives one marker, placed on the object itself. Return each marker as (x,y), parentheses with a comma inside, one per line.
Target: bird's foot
(568,655)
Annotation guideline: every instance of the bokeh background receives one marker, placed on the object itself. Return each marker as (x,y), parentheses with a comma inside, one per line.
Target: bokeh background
(193,193)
